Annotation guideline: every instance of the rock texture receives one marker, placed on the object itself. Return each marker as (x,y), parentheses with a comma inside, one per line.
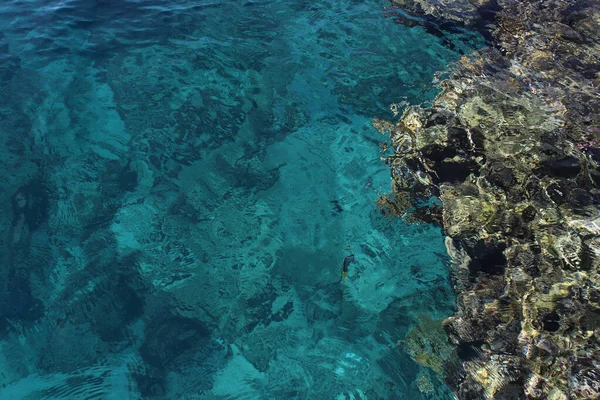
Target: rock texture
(511,147)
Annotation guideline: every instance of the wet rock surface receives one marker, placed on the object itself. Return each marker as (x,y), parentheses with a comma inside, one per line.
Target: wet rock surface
(511,147)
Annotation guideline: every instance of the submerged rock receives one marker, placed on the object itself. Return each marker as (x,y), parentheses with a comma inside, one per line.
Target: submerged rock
(510,147)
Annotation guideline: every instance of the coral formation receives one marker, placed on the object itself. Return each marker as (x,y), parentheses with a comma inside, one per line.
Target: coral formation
(511,148)
(427,344)
(424,383)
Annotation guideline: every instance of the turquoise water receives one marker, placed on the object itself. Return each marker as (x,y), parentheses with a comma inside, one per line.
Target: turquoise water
(183,181)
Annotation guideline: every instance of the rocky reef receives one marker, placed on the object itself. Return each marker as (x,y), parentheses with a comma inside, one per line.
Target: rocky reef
(507,160)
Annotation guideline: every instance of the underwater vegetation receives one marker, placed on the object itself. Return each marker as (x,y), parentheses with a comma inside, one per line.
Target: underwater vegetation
(511,148)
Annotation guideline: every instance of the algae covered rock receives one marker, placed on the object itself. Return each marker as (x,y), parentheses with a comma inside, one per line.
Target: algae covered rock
(427,344)
(511,149)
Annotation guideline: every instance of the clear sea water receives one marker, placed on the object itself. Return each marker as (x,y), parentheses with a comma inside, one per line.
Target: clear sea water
(182,182)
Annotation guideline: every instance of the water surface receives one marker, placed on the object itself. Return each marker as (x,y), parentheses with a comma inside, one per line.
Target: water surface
(183,182)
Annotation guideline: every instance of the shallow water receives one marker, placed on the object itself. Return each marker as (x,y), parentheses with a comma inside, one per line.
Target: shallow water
(183,182)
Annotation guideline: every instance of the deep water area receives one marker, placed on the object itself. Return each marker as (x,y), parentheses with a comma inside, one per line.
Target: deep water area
(182,182)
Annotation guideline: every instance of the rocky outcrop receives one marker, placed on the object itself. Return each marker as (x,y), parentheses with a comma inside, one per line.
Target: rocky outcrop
(511,147)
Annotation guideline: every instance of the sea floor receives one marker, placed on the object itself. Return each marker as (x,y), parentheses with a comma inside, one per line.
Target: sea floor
(191,176)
